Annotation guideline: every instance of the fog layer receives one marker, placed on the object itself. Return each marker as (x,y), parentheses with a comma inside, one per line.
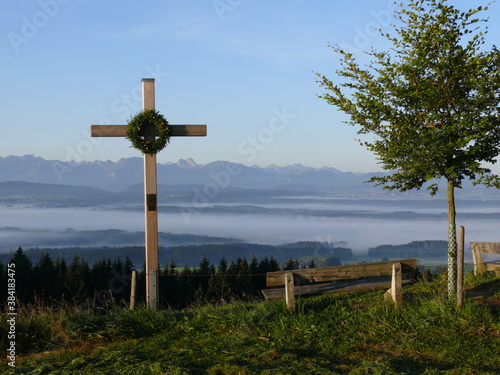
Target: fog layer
(360,232)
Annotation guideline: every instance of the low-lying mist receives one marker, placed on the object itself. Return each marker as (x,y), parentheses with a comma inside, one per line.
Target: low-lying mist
(359,232)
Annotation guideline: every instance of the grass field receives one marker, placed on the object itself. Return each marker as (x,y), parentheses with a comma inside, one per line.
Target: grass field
(355,333)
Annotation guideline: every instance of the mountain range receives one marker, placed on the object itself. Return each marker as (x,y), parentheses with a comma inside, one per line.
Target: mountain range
(116,176)
(127,174)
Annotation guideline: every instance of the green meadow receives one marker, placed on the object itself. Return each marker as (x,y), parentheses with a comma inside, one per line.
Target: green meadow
(355,333)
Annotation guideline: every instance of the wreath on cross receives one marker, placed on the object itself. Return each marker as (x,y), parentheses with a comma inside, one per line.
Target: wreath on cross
(143,121)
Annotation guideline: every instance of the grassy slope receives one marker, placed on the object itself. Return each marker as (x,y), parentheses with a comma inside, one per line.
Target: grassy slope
(342,334)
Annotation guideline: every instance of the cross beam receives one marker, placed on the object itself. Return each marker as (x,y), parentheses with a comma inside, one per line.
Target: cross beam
(150,191)
(175,130)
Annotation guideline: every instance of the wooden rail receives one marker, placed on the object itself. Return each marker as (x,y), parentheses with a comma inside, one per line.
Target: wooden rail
(339,279)
(478,248)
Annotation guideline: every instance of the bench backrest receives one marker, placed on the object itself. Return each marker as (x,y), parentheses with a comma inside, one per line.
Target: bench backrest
(335,273)
(479,248)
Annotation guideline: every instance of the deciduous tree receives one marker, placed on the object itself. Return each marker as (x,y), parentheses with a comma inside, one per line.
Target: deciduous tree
(430,105)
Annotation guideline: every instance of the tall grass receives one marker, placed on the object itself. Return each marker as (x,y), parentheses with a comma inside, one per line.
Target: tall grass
(355,333)
(41,328)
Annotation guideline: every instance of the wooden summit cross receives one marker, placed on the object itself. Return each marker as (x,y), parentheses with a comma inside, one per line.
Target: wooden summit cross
(150,195)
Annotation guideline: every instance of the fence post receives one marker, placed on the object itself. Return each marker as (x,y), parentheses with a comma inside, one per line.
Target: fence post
(396,284)
(132,289)
(290,291)
(460,265)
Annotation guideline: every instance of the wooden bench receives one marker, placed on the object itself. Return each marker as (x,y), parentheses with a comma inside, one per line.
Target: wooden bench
(478,248)
(340,279)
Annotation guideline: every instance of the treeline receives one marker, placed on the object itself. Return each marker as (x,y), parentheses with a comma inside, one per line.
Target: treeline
(48,281)
(108,282)
(297,250)
(414,249)
(96,238)
(190,254)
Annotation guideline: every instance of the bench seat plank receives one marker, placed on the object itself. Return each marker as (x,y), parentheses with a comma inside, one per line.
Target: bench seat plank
(330,288)
(337,273)
(479,248)
(493,265)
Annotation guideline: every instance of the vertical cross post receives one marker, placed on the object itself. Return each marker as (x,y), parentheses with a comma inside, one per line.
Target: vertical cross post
(150,193)
(150,207)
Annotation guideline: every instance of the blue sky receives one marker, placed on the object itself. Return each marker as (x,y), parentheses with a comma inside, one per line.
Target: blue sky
(244,68)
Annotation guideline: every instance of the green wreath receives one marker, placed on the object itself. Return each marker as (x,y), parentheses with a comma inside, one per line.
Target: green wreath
(136,126)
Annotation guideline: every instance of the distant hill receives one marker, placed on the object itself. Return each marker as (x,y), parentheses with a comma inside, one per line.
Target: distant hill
(53,194)
(414,249)
(12,238)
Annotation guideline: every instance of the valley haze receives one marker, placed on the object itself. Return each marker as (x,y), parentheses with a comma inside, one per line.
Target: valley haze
(272,205)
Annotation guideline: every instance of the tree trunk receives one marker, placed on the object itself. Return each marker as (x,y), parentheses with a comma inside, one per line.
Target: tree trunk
(452,242)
